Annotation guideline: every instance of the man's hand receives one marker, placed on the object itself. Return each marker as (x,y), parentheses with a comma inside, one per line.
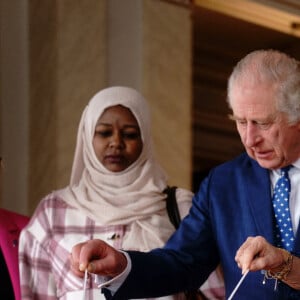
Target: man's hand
(97,257)
(257,254)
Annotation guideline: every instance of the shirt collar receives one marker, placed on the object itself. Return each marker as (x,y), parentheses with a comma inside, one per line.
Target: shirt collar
(296,164)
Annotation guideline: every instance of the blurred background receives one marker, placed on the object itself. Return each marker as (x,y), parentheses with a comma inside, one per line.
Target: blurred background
(56,54)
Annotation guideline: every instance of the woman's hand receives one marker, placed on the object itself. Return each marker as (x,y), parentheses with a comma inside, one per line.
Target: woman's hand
(97,257)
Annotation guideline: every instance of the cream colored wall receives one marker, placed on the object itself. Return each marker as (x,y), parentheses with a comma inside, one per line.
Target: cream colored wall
(82,71)
(70,57)
(167,84)
(14,99)
(68,66)
(150,50)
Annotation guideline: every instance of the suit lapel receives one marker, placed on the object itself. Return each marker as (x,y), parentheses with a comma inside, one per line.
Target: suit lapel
(260,202)
(297,242)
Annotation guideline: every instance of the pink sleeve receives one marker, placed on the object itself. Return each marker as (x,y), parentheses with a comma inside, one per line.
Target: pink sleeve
(11,225)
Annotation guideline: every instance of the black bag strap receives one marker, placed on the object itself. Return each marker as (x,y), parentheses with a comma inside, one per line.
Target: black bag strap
(172,207)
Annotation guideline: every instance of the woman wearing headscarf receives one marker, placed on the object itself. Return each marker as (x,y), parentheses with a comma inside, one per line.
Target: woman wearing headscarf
(115,194)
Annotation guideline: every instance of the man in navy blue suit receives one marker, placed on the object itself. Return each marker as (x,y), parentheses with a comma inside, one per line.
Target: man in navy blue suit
(232,220)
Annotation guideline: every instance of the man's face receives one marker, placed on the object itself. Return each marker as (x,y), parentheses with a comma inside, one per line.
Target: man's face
(265,132)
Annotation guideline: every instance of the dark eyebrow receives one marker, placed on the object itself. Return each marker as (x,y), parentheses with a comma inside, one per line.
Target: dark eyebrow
(126,126)
(104,124)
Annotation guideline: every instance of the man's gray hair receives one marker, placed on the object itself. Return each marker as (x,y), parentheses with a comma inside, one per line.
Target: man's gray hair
(275,68)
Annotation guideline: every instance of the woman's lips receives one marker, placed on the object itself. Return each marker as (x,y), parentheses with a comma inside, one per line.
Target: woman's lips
(114,159)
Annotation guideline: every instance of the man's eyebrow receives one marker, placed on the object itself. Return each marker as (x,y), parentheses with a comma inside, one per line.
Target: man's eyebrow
(232,117)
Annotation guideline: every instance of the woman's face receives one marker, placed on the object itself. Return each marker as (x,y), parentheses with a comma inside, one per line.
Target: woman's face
(117,139)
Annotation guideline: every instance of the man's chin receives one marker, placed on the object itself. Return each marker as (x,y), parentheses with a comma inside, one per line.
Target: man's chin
(268,164)
(264,160)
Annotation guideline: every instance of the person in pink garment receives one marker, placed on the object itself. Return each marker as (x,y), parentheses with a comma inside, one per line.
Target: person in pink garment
(11,224)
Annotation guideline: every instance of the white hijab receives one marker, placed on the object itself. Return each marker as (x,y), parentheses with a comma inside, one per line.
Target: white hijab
(133,196)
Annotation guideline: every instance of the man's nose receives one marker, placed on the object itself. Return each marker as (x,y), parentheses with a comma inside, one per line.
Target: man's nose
(252,135)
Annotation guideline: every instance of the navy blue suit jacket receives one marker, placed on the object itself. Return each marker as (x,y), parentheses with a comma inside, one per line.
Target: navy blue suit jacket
(233,203)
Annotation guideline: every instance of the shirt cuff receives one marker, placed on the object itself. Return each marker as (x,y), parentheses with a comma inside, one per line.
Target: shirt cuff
(113,284)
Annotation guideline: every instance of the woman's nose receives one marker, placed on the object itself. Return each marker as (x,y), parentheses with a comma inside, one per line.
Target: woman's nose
(116,140)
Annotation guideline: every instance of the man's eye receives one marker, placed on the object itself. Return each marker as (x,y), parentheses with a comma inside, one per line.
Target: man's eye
(241,122)
(263,125)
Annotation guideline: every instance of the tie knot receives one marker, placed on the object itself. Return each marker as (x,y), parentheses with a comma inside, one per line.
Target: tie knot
(284,171)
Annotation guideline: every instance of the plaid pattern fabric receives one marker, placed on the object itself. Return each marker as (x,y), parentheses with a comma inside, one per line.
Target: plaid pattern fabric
(213,288)
(45,245)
